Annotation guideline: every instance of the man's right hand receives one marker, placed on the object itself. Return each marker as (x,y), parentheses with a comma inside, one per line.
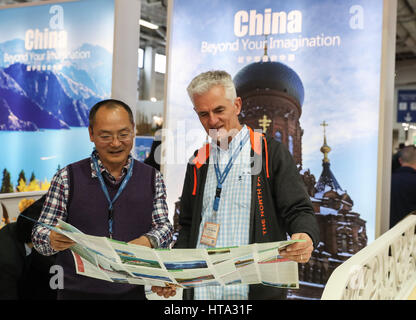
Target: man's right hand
(59,242)
(168,291)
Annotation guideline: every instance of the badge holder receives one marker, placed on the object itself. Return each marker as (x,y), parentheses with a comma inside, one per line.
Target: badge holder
(210,234)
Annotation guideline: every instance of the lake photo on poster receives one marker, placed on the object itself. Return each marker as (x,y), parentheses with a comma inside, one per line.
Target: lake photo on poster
(41,152)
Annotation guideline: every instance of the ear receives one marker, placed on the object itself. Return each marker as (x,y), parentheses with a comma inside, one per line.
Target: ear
(238,103)
(91,134)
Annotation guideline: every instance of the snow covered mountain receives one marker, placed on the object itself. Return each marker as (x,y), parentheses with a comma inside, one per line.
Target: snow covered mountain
(17,105)
(43,87)
(9,121)
(63,97)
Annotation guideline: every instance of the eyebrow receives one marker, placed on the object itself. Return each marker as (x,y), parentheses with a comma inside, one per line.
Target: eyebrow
(110,132)
(215,109)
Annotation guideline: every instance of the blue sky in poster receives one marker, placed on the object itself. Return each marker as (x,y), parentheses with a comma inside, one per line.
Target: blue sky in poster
(341,81)
(80,21)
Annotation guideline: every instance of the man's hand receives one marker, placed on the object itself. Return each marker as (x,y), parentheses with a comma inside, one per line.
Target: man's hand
(300,251)
(141,241)
(168,291)
(59,242)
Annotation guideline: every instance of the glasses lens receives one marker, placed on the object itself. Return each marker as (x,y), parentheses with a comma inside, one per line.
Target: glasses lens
(123,136)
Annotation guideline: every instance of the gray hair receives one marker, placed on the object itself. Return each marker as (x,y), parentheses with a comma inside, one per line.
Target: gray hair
(408,154)
(203,82)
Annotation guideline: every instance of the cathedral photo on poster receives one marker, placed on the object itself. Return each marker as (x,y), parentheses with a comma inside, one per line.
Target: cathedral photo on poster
(305,79)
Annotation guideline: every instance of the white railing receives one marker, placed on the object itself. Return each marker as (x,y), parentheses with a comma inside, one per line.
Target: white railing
(384,270)
(10,201)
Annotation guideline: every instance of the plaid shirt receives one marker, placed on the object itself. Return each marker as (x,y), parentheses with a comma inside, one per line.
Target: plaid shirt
(233,214)
(57,198)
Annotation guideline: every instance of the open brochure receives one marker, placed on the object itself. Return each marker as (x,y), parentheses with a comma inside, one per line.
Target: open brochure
(116,261)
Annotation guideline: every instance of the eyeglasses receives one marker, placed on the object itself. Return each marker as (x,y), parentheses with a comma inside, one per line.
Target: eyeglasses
(122,137)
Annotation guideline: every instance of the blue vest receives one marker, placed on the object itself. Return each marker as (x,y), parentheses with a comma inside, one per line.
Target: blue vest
(88,211)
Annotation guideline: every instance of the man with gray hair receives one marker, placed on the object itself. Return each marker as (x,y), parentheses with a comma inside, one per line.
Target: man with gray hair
(224,123)
(403,186)
(226,201)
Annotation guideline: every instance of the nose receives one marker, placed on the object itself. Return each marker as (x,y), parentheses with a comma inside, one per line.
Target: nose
(116,142)
(212,120)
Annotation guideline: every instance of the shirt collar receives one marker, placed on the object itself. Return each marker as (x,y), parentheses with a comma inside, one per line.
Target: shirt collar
(104,170)
(28,250)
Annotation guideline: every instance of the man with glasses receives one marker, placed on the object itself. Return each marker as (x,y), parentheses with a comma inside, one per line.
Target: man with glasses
(108,194)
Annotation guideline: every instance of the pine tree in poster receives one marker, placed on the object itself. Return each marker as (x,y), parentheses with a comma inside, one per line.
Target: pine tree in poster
(6,184)
(22,176)
(32,177)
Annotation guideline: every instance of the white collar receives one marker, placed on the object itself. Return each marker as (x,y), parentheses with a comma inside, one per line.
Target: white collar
(28,249)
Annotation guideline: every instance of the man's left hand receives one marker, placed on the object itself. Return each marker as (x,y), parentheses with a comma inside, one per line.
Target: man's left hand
(168,291)
(141,241)
(300,251)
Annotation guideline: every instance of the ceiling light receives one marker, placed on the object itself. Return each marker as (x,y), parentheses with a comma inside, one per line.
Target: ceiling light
(148,24)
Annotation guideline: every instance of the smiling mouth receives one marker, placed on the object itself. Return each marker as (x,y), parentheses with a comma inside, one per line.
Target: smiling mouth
(115,152)
(216,130)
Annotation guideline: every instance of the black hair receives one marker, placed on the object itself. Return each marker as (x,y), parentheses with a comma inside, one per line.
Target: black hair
(109,103)
(408,154)
(24,226)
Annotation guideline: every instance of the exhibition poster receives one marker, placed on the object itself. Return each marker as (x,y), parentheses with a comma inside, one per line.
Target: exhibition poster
(55,64)
(142,147)
(308,73)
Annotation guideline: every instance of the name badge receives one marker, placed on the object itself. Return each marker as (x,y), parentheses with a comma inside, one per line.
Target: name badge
(210,234)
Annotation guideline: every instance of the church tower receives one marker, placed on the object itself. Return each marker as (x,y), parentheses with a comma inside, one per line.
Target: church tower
(342,231)
(272,95)
(327,180)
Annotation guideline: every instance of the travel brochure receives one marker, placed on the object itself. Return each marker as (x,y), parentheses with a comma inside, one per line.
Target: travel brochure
(116,261)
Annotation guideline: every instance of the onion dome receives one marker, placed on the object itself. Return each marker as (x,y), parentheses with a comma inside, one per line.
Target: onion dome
(269,75)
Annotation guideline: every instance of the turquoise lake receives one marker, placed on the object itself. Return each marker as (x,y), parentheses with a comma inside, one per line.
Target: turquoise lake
(42,151)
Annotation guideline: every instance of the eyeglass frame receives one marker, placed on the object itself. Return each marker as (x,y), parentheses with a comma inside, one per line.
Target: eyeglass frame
(118,135)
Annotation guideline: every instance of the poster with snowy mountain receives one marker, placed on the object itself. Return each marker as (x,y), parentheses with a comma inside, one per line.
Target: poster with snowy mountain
(55,64)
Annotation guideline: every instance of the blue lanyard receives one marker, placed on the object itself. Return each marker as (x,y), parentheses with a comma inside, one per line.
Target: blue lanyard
(104,188)
(222,176)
